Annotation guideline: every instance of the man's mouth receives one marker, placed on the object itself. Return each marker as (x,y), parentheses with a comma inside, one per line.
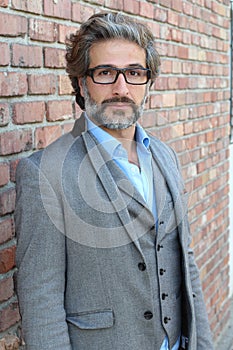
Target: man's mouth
(124,101)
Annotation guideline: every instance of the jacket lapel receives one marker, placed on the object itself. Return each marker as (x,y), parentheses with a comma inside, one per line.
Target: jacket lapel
(120,191)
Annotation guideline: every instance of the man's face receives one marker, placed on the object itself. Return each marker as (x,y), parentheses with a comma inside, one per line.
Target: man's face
(118,105)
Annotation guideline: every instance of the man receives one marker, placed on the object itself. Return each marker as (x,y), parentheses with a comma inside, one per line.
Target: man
(103,239)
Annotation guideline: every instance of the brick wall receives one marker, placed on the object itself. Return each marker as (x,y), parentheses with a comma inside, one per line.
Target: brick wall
(188,108)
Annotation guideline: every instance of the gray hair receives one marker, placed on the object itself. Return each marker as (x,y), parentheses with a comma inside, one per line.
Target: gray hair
(101,27)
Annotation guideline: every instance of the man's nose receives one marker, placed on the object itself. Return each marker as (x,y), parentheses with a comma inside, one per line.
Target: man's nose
(120,87)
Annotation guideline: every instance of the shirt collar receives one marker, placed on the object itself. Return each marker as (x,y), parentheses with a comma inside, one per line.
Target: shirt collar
(110,143)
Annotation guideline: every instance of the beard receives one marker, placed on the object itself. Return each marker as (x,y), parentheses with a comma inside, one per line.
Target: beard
(112,118)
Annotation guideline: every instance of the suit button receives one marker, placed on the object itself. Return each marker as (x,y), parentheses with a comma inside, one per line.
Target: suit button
(166,319)
(161,222)
(142,266)
(162,271)
(159,247)
(148,315)
(152,228)
(164,296)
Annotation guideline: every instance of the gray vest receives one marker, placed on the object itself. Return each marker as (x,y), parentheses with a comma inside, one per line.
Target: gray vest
(161,251)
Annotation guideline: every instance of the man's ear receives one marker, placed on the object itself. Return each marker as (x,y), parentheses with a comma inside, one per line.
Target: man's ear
(80,83)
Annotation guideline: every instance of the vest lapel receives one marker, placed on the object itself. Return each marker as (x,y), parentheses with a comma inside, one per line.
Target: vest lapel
(168,181)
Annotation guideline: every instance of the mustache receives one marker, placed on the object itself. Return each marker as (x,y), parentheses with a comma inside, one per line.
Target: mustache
(118,99)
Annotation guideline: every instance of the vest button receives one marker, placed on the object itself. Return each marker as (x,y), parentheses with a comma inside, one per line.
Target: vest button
(161,272)
(142,266)
(164,295)
(159,247)
(166,319)
(148,315)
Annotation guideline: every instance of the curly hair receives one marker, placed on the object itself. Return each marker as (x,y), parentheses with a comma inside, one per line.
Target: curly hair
(101,27)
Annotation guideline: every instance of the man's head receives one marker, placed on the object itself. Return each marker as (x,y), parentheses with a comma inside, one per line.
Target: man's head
(112,59)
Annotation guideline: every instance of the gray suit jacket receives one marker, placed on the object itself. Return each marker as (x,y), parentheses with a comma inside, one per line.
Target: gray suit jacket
(78,245)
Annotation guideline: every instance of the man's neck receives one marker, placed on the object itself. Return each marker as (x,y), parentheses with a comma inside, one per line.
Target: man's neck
(127,139)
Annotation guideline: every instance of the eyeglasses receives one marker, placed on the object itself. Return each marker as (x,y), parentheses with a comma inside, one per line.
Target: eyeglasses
(109,75)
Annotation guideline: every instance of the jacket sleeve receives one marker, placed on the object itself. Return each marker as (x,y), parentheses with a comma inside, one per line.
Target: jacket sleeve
(41,263)
(203,333)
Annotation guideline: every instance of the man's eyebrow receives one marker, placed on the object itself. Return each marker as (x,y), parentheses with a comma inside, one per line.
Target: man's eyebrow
(132,65)
(136,65)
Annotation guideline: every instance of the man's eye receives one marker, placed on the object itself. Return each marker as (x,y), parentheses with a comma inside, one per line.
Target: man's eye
(105,72)
(134,73)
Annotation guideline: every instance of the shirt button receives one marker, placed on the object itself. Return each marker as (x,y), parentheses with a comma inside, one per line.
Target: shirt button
(148,315)
(142,266)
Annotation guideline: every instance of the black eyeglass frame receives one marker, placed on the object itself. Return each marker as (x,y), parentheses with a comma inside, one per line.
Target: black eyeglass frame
(90,73)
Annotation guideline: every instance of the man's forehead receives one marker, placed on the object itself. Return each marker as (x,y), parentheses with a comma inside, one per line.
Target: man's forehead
(117,52)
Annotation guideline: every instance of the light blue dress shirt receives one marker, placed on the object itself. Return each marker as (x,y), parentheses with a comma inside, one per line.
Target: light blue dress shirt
(141,177)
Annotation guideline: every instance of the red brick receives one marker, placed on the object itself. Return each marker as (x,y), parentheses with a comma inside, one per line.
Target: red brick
(27,56)
(4,3)
(59,110)
(6,289)
(78,111)
(114,4)
(6,230)
(4,114)
(16,141)
(166,3)
(46,135)
(28,6)
(9,316)
(168,100)
(42,30)
(68,127)
(131,6)
(13,84)
(173,18)
(160,14)
(28,112)
(60,9)
(7,259)
(13,166)
(146,9)
(81,13)
(5,54)
(41,84)
(7,201)
(54,58)
(17,27)
(64,87)
(5,174)
(65,31)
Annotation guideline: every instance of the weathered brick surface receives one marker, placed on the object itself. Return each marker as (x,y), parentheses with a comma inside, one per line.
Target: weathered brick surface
(13,84)
(29,112)
(42,30)
(7,259)
(27,56)
(42,84)
(188,108)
